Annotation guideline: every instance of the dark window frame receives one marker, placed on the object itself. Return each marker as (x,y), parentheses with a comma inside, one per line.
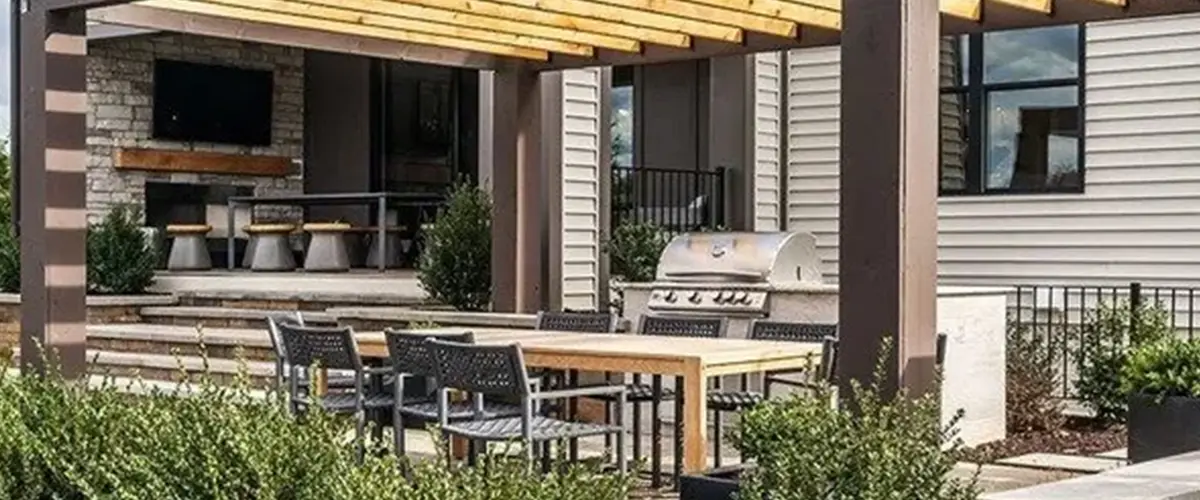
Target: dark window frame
(977,92)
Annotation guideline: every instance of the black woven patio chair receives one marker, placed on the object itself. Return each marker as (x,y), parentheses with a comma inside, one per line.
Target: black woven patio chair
(335,380)
(412,357)
(500,371)
(332,348)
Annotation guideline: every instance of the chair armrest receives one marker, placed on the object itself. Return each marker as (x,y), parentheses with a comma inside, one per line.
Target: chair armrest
(378,370)
(790,383)
(598,390)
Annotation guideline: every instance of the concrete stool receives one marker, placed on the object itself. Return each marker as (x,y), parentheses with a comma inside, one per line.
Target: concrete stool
(326,247)
(272,248)
(189,248)
(393,248)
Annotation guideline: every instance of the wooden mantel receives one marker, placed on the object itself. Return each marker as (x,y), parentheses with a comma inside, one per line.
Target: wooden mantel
(170,160)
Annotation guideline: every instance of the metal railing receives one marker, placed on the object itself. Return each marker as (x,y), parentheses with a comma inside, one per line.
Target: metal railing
(1066,317)
(675,200)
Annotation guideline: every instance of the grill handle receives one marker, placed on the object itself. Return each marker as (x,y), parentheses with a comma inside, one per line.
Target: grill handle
(748,275)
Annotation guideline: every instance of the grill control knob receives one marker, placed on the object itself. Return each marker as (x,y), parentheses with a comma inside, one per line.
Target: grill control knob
(742,298)
(671,297)
(694,297)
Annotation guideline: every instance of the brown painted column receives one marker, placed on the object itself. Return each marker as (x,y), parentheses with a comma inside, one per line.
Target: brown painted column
(53,188)
(888,210)
(517,192)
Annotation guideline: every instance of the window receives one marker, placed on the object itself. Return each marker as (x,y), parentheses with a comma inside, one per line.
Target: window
(1022,91)
(622,116)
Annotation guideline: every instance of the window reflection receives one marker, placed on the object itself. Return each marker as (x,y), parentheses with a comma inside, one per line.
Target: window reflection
(955,122)
(1033,139)
(1031,54)
(622,117)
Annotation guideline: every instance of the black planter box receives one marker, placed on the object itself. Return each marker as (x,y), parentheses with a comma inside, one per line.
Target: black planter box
(1162,429)
(715,484)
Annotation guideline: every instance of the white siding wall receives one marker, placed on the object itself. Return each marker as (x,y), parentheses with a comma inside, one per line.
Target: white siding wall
(581,188)
(1139,218)
(766,118)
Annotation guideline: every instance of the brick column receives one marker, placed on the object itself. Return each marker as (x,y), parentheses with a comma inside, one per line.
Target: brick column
(888,209)
(517,192)
(53,191)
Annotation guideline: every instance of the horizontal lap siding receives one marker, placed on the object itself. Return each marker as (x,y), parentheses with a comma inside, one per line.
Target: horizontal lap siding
(767,88)
(581,188)
(1139,218)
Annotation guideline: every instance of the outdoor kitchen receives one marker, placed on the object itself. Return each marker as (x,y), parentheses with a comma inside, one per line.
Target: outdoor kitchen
(748,276)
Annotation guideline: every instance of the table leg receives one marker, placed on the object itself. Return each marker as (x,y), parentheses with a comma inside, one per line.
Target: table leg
(381,217)
(230,231)
(695,426)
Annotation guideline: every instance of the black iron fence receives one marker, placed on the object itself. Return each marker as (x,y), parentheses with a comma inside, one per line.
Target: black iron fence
(676,200)
(1071,318)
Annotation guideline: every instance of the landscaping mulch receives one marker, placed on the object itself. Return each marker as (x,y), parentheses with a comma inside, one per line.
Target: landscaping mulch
(1079,436)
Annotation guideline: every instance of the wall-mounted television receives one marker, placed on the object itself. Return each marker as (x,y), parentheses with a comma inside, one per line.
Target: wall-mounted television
(209,103)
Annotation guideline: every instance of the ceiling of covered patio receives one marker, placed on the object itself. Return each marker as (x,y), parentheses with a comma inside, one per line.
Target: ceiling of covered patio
(550,34)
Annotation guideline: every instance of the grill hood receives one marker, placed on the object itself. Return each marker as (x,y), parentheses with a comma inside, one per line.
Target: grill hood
(774,258)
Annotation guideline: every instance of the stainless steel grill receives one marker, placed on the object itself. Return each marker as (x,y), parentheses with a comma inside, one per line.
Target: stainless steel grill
(732,274)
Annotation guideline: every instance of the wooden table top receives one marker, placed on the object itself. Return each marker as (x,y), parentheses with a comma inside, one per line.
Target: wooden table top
(737,355)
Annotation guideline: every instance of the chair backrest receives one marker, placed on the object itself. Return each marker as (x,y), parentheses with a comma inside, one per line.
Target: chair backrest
(679,326)
(583,322)
(792,332)
(486,370)
(411,353)
(281,318)
(330,346)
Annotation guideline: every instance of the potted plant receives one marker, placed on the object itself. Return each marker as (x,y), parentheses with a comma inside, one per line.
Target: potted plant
(1162,381)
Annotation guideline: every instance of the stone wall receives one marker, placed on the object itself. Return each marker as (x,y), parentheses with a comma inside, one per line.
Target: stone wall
(120,93)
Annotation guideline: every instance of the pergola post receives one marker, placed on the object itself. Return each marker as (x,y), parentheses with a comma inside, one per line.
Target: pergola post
(53,188)
(888,209)
(517,183)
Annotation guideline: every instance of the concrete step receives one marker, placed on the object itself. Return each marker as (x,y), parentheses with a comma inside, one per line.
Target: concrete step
(145,387)
(218,317)
(171,368)
(220,343)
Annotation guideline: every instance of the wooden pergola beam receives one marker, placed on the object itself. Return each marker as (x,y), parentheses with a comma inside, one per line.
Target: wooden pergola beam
(407,10)
(705,12)
(383,20)
(248,14)
(798,13)
(516,12)
(141,16)
(635,17)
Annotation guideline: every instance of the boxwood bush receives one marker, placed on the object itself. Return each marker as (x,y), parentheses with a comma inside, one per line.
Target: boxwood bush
(1110,335)
(806,448)
(120,257)
(456,264)
(1167,368)
(61,440)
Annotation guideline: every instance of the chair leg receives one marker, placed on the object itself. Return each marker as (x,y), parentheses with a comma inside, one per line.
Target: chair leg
(622,467)
(398,434)
(678,429)
(637,423)
(359,438)
(716,438)
(572,406)
(656,432)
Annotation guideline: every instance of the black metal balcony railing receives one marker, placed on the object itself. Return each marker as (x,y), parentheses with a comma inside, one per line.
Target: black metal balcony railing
(675,200)
(1065,318)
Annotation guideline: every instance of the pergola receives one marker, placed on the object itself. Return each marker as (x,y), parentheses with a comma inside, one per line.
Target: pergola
(889,123)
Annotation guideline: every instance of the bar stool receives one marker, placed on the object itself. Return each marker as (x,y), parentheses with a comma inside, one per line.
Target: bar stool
(392,259)
(272,250)
(326,247)
(189,247)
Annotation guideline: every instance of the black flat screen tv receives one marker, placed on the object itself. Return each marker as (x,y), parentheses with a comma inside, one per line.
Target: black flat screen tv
(209,103)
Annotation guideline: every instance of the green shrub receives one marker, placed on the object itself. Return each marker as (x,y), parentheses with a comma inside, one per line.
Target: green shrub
(120,258)
(805,448)
(59,440)
(1109,336)
(1031,392)
(1168,367)
(456,265)
(634,250)
(10,261)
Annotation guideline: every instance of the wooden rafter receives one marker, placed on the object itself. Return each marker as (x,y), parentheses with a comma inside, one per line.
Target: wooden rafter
(384,21)
(705,12)
(796,12)
(254,15)
(509,11)
(636,17)
(1041,6)
(410,10)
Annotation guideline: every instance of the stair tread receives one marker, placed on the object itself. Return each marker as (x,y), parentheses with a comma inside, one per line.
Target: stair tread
(142,386)
(247,337)
(193,364)
(223,312)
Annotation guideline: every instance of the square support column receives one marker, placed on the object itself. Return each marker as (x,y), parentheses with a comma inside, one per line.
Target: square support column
(517,192)
(53,189)
(888,209)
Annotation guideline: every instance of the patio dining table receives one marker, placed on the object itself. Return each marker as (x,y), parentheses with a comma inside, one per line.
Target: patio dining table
(692,360)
